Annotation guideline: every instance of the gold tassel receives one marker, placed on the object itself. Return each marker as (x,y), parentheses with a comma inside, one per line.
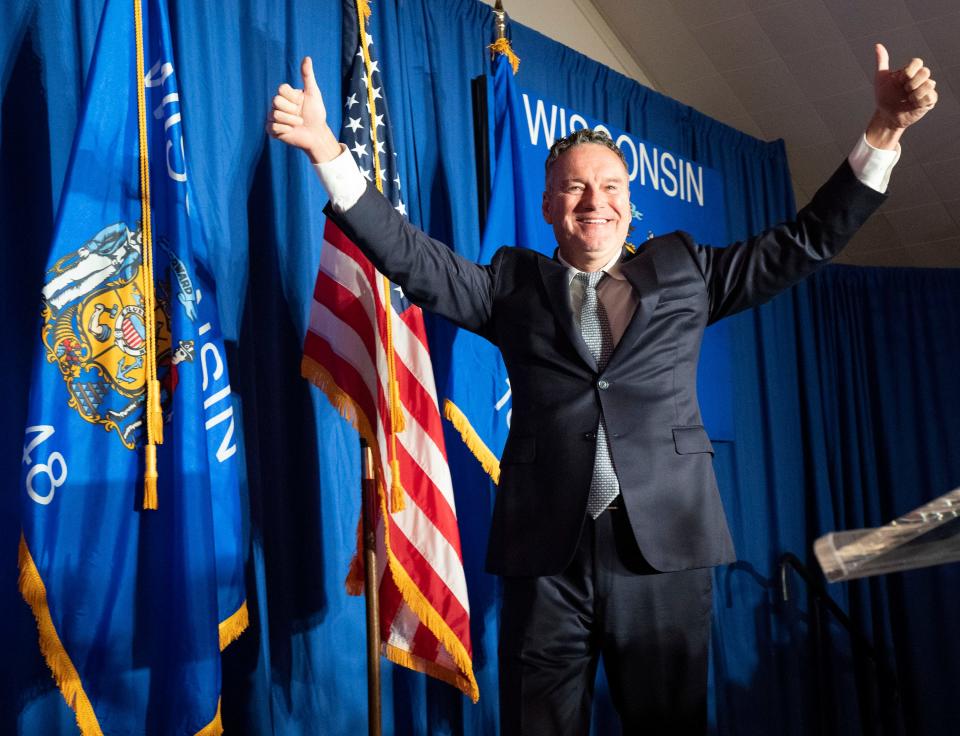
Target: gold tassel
(155,415)
(397,420)
(150,479)
(363,8)
(396,489)
(502,46)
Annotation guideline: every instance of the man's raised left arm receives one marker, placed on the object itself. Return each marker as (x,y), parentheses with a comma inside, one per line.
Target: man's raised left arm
(751,272)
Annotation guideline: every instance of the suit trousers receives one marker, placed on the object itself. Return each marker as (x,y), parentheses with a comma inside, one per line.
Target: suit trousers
(651,628)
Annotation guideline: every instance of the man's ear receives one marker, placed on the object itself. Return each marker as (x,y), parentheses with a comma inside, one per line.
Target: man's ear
(545,208)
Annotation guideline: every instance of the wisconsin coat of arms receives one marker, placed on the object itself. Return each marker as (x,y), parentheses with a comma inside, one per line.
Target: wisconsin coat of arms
(94,329)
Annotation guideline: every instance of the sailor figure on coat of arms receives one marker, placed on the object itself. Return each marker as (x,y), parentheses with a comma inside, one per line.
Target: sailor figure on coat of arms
(94,329)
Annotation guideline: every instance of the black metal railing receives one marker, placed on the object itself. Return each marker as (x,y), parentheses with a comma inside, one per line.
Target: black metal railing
(879,704)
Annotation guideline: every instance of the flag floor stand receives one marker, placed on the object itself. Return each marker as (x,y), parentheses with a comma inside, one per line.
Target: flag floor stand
(371,593)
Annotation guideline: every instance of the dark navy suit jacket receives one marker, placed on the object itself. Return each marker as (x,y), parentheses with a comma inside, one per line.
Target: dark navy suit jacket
(647,393)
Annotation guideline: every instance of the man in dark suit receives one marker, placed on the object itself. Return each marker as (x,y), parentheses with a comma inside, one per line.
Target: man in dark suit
(607,519)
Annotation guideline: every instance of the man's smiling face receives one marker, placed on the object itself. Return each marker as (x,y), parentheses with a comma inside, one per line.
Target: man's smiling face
(587,200)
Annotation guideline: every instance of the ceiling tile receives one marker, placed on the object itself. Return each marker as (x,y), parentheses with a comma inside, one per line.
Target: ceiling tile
(942,36)
(935,138)
(924,9)
(908,155)
(827,71)
(890,258)
(760,4)
(858,18)
(696,13)
(909,188)
(799,124)
(953,207)
(945,177)
(924,223)
(811,166)
(950,75)
(800,194)
(735,43)
(711,96)
(798,25)
(876,234)
(658,41)
(692,64)
(745,124)
(942,254)
(765,85)
(948,102)
(846,115)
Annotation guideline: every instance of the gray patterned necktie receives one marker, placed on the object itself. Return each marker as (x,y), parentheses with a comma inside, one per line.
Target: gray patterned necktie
(595,327)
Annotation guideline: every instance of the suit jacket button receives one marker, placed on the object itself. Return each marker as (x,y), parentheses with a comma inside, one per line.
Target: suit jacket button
(589,435)
(602,384)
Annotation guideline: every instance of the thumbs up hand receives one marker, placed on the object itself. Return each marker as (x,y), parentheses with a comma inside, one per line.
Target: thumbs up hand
(903,97)
(299,118)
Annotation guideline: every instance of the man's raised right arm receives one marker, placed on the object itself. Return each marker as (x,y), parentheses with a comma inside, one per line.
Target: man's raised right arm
(431,275)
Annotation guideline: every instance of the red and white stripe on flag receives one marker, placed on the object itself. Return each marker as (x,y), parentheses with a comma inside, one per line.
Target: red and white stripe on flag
(424,610)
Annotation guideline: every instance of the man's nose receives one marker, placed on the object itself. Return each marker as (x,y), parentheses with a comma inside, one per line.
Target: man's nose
(590,198)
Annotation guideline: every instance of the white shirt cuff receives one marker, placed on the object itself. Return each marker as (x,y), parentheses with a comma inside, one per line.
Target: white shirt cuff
(873,166)
(342,179)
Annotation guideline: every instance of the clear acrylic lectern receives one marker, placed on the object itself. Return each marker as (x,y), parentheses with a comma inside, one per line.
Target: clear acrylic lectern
(930,535)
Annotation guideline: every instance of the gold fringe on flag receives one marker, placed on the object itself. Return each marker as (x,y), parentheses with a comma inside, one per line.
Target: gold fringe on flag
(34,592)
(153,414)
(502,46)
(233,625)
(356,574)
(472,440)
(341,401)
(215,727)
(438,626)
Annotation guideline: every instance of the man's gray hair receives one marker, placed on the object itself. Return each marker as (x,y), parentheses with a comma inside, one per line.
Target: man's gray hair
(576,138)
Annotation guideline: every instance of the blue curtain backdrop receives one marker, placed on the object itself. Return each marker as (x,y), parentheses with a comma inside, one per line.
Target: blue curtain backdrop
(847,404)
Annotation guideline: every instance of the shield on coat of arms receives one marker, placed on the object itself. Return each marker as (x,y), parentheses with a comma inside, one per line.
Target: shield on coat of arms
(95,330)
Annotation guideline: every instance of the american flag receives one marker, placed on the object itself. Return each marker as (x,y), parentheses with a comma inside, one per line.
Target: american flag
(366,348)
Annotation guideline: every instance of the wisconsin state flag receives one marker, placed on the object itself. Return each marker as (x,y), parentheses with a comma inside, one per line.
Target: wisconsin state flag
(132,606)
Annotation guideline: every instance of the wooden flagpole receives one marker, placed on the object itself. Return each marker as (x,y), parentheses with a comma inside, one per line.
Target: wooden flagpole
(368,506)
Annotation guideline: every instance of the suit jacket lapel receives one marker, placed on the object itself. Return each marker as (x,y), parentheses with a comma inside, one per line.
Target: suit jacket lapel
(642,275)
(555,280)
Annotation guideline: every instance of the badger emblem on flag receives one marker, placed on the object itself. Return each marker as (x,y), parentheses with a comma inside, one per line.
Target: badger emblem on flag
(94,329)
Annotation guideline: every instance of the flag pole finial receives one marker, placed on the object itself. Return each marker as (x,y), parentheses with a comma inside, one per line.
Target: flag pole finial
(500,21)
(501,42)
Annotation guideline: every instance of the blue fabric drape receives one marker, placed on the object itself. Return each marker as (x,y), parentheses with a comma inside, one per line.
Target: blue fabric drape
(847,409)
